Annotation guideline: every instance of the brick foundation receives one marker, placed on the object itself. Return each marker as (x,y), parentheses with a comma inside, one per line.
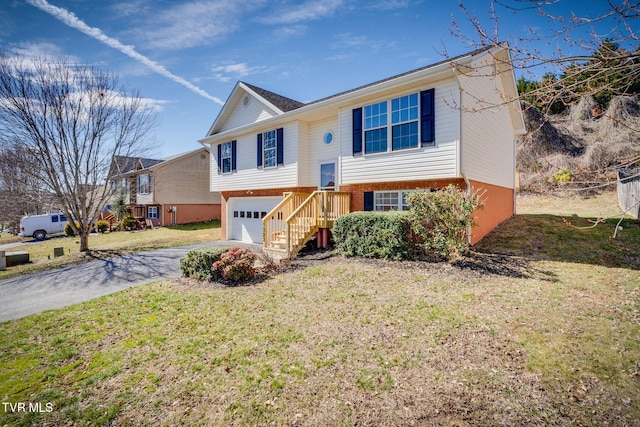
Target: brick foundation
(188,213)
(357,190)
(499,206)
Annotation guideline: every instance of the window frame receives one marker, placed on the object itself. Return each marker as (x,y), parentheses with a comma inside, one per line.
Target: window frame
(399,123)
(149,215)
(400,204)
(144,188)
(226,155)
(375,123)
(388,121)
(270,137)
(410,124)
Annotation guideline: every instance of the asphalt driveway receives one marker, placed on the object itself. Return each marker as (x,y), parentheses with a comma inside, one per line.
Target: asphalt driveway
(31,294)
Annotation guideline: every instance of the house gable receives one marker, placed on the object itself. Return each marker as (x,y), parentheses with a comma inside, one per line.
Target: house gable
(249,104)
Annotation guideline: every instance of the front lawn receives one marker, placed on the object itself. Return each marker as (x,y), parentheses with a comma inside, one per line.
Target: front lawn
(345,342)
(543,335)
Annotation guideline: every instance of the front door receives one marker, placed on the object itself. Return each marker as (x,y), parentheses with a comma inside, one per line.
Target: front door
(328,176)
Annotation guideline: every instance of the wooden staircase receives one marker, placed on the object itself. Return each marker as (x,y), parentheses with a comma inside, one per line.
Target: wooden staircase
(298,217)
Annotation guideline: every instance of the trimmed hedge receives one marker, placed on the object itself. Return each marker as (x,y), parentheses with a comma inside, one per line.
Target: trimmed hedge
(373,235)
(198,262)
(435,225)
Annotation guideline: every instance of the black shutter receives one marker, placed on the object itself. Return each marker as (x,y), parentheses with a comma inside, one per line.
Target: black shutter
(427,117)
(259,150)
(280,145)
(368,200)
(357,131)
(233,155)
(219,159)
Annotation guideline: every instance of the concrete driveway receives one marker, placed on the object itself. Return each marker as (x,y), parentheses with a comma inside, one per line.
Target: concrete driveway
(26,295)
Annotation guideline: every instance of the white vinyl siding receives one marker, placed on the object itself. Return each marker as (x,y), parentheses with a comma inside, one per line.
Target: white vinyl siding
(320,152)
(430,162)
(242,114)
(250,177)
(488,140)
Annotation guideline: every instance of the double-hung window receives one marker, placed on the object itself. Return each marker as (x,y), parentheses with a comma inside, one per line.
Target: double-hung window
(152,212)
(270,148)
(225,157)
(144,184)
(406,121)
(375,128)
(390,201)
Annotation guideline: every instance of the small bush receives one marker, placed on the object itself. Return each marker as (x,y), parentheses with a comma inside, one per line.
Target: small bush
(440,219)
(102,226)
(68,230)
(197,263)
(235,265)
(373,235)
(129,223)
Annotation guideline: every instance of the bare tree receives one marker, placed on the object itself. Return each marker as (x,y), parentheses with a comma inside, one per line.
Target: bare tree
(20,192)
(72,119)
(578,55)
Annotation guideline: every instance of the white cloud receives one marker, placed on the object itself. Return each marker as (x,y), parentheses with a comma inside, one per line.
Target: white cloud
(73,21)
(38,50)
(348,40)
(312,10)
(392,4)
(193,24)
(289,31)
(230,72)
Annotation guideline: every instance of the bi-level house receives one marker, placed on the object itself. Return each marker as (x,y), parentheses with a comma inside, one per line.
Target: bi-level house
(286,170)
(169,191)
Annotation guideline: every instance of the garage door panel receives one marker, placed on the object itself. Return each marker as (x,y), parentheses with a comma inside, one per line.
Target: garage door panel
(246,215)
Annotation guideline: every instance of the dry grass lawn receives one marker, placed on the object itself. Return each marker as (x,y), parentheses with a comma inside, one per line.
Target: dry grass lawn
(497,338)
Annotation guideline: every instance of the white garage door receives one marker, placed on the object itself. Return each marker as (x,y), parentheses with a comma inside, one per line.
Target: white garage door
(245,216)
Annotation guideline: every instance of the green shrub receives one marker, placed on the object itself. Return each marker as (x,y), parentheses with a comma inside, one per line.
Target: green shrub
(373,235)
(129,223)
(68,230)
(440,219)
(102,226)
(561,177)
(235,265)
(198,262)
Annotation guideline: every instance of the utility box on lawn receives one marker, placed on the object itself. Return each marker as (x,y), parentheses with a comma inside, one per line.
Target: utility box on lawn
(17,258)
(3,261)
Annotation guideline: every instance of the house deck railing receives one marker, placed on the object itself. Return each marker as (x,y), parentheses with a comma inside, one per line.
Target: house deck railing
(275,221)
(318,210)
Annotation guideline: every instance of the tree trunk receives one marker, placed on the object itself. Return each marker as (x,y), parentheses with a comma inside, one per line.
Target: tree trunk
(84,242)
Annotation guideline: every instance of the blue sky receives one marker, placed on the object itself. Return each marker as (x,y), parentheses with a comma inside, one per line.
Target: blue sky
(186,56)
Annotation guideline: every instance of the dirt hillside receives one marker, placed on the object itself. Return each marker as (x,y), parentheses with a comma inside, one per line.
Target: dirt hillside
(581,148)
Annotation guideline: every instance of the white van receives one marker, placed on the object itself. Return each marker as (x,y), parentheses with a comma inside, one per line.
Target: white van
(39,226)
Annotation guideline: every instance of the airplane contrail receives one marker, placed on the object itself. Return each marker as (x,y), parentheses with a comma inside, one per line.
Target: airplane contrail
(73,21)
